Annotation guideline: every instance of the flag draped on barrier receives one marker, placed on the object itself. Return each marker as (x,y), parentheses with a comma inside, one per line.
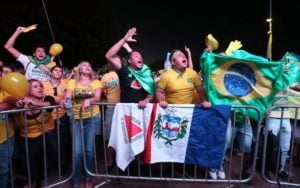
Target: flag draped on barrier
(127,133)
(180,133)
(188,134)
(247,79)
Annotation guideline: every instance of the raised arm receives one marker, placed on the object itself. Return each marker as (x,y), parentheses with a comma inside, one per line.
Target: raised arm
(127,47)
(189,57)
(9,45)
(112,54)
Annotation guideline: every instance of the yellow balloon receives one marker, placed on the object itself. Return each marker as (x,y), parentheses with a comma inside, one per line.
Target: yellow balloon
(51,64)
(55,49)
(15,84)
(75,69)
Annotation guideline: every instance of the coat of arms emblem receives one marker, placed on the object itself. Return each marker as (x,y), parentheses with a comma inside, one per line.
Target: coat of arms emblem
(170,126)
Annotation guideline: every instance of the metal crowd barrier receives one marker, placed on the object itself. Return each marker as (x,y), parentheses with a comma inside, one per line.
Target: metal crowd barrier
(234,159)
(17,178)
(176,172)
(272,151)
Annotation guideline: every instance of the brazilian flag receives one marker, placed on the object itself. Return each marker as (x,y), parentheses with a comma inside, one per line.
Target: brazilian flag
(247,79)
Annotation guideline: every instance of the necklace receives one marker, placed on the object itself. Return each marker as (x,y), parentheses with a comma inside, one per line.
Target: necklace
(55,85)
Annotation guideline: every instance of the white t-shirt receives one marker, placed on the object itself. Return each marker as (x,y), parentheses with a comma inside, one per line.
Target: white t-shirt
(31,71)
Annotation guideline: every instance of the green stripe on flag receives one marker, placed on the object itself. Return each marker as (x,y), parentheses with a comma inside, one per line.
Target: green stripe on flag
(246,79)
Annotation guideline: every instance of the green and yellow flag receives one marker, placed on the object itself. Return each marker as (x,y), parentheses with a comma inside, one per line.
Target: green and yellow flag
(247,79)
(294,99)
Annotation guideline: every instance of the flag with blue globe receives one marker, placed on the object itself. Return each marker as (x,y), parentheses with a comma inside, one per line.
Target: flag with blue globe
(246,79)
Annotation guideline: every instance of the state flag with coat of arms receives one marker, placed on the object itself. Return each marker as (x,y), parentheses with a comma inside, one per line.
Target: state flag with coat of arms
(180,133)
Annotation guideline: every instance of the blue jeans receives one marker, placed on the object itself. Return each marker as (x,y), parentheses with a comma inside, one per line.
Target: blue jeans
(285,132)
(5,160)
(89,128)
(244,133)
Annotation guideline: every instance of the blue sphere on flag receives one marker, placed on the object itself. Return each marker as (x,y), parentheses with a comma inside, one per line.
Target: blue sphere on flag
(239,80)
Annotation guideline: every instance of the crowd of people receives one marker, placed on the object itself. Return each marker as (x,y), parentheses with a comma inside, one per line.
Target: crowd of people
(132,82)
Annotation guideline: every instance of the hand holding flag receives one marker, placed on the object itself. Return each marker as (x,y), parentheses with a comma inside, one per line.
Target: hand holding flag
(211,43)
(30,28)
(233,45)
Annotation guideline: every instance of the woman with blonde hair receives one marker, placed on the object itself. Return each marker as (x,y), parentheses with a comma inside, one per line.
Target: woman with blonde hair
(32,125)
(83,90)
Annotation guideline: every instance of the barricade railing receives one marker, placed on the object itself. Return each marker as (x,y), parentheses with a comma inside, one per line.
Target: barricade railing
(19,176)
(284,144)
(234,160)
(238,167)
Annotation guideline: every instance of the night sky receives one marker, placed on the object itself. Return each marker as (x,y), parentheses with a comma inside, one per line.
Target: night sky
(164,25)
(167,25)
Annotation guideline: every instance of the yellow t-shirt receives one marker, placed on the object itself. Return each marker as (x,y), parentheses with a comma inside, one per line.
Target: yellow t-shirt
(179,87)
(35,125)
(111,84)
(80,93)
(3,136)
(60,90)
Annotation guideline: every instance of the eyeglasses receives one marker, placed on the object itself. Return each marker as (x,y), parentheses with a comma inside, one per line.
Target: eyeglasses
(55,91)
